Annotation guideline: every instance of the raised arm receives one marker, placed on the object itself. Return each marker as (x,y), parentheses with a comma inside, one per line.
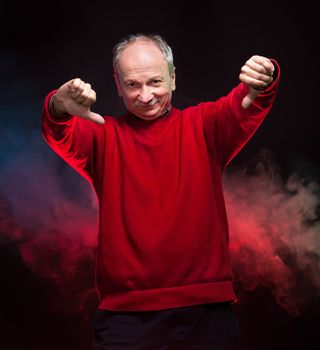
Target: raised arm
(231,121)
(71,129)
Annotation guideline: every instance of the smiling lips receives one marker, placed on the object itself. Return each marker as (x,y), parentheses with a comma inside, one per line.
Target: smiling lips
(149,105)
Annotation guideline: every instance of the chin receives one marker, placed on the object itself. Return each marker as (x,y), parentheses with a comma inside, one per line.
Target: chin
(149,115)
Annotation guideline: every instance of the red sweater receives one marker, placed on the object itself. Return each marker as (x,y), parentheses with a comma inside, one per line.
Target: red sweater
(163,231)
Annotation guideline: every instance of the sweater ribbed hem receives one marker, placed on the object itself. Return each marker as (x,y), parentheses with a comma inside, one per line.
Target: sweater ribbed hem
(166,298)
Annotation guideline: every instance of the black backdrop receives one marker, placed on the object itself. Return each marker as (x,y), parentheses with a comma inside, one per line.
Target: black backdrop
(46,44)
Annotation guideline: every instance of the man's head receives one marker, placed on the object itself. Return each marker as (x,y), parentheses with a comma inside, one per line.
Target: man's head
(144,74)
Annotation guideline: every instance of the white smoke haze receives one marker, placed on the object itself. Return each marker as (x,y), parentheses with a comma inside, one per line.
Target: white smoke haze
(274,233)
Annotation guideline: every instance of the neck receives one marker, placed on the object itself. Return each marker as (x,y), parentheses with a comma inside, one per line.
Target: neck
(163,115)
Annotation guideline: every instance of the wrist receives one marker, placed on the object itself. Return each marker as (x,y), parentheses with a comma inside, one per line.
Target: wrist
(53,110)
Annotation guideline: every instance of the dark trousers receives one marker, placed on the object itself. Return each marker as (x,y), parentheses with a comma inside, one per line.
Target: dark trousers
(200,327)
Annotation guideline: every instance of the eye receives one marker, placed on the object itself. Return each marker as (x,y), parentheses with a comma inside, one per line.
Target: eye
(156,81)
(131,84)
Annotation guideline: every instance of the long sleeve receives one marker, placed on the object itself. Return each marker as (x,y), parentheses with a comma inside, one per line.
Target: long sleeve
(163,230)
(76,140)
(228,127)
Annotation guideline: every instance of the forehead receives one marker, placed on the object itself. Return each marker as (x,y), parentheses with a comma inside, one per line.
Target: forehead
(141,55)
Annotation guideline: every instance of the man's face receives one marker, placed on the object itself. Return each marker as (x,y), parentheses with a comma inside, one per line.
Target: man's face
(143,80)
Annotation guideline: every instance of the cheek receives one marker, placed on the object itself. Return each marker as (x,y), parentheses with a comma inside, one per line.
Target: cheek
(165,92)
(129,97)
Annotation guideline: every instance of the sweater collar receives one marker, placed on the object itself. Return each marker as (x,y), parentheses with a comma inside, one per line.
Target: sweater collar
(132,118)
(165,115)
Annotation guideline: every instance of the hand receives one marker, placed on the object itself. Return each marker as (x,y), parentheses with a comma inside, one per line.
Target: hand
(257,74)
(75,97)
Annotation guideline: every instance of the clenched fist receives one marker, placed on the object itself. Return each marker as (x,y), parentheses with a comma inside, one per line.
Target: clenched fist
(75,97)
(257,74)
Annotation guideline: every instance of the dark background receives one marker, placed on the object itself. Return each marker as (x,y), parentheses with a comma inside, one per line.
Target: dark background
(46,44)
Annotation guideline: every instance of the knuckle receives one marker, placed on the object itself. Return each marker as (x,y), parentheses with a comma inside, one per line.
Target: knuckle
(76,82)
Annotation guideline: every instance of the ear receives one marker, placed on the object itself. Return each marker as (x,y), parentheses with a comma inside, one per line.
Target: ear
(116,79)
(173,79)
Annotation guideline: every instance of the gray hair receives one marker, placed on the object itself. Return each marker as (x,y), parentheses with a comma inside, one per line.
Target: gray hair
(157,39)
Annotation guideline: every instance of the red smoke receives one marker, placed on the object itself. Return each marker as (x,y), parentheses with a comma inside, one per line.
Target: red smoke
(52,216)
(274,231)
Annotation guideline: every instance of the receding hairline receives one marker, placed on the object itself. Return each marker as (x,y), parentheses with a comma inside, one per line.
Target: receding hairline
(156,39)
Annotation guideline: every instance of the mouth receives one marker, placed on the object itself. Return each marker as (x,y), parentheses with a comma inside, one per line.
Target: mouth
(150,105)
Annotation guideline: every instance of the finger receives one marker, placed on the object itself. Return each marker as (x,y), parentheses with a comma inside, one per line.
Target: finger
(258,67)
(90,100)
(76,88)
(95,117)
(265,63)
(260,75)
(82,94)
(76,92)
(74,85)
(252,82)
(247,100)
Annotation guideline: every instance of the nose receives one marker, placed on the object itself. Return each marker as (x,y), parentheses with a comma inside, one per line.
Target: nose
(145,95)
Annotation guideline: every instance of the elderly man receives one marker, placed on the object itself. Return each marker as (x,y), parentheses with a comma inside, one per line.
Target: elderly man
(163,264)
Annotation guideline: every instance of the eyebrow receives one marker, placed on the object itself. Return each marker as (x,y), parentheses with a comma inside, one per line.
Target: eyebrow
(156,77)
